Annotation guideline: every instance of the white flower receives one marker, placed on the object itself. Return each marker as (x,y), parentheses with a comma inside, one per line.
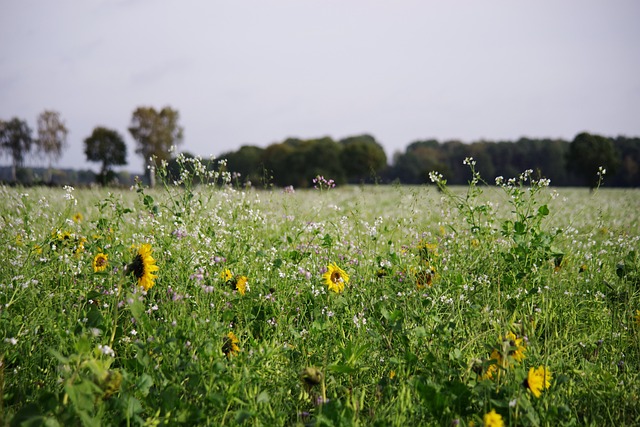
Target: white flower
(106,350)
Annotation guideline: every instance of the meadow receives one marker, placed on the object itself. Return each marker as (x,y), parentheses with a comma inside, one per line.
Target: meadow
(201,302)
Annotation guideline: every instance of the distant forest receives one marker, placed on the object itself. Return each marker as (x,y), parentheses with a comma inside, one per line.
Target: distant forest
(361,159)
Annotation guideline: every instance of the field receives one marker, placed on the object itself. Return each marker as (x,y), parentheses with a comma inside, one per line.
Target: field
(511,303)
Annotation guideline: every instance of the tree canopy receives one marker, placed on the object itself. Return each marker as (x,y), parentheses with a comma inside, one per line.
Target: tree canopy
(588,153)
(155,132)
(16,141)
(107,147)
(52,136)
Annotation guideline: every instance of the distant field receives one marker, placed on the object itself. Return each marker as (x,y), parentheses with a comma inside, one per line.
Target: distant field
(517,303)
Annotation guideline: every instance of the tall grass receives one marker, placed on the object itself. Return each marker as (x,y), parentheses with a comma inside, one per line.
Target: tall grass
(458,302)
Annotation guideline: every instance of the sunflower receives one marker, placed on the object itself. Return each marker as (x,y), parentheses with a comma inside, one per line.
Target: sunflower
(100,262)
(241,284)
(538,380)
(230,345)
(226,275)
(493,368)
(77,217)
(311,376)
(493,419)
(424,277)
(515,348)
(335,278)
(143,266)
(427,250)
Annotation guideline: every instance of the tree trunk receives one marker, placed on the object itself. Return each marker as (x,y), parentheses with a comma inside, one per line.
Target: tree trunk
(151,176)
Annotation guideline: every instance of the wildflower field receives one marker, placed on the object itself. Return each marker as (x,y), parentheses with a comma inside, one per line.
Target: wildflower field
(500,303)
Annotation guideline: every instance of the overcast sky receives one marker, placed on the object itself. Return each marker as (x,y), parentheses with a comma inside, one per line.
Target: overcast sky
(256,72)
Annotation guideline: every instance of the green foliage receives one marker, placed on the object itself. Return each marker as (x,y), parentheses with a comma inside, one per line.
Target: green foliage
(156,133)
(52,136)
(107,147)
(16,141)
(455,299)
(588,153)
(363,159)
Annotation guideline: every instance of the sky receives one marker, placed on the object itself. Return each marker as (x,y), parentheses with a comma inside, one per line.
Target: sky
(255,72)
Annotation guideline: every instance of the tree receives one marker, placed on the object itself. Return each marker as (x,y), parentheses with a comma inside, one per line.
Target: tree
(52,137)
(362,158)
(587,153)
(16,141)
(106,146)
(247,161)
(155,132)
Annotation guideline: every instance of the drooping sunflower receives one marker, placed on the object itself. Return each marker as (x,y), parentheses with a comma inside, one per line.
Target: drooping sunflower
(143,266)
(537,380)
(335,278)
(230,345)
(493,419)
(100,262)
(425,276)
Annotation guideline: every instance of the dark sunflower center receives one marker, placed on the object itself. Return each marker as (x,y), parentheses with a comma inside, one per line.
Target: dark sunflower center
(137,266)
(101,261)
(335,277)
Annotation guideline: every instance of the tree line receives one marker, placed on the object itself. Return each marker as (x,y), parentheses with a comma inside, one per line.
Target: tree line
(155,133)
(356,159)
(361,159)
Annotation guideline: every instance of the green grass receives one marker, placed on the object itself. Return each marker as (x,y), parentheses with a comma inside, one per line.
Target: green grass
(560,272)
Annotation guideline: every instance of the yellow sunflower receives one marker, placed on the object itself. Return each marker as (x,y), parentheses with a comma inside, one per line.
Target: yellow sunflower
(427,250)
(335,278)
(226,275)
(241,284)
(493,419)
(494,368)
(514,346)
(77,218)
(230,345)
(538,380)
(425,276)
(100,262)
(143,266)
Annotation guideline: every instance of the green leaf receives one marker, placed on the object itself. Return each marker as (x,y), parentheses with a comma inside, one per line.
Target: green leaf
(543,210)
(263,397)
(144,383)
(341,369)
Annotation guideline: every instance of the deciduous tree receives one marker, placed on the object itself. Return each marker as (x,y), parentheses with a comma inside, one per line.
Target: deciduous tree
(587,153)
(105,146)
(52,137)
(155,133)
(362,158)
(16,141)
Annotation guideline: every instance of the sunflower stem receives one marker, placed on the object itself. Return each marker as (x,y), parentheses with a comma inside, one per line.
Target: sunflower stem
(116,313)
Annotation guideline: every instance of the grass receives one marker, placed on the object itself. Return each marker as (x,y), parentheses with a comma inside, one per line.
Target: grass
(455,298)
